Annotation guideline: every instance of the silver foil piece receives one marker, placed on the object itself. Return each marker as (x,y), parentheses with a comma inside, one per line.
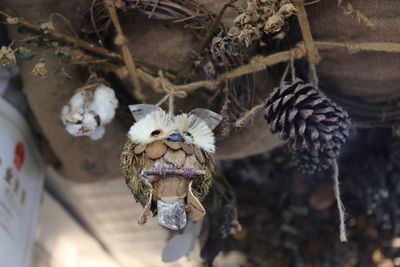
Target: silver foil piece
(171,215)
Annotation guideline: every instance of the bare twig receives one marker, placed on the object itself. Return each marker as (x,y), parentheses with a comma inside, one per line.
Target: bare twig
(245,119)
(259,63)
(172,172)
(311,3)
(87,46)
(206,38)
(56,36)
(202,44)
(127,56)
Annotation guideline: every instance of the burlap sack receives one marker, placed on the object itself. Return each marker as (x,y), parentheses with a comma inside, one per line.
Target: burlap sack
(160,43)
(374,76)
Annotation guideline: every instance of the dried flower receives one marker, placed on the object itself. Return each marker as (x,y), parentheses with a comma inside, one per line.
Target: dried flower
(218,47)
(40,69)
(47,27)
(222,45)
(242,19)
(284,2)
(259,4)
(63,51)
(7,56)
(23,53)
(234,32)
(274,24)
(12,20)
(249,34)
(287,10)
(267,12)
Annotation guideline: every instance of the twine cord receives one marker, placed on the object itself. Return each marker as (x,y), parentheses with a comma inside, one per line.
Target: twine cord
(171,92)
(312,51)
(341,208)
(292,69)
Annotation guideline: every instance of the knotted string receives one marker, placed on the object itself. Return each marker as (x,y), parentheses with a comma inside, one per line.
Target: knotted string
(171,92)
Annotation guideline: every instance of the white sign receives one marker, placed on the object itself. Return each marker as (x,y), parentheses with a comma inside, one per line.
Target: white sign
(21,183)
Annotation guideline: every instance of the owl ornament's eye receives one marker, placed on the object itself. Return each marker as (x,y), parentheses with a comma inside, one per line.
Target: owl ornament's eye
(187,134)
(156,133)
(171,167)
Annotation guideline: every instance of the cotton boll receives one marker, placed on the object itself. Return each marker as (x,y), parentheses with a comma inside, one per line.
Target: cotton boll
(104,104)
(87,112)
(98,133)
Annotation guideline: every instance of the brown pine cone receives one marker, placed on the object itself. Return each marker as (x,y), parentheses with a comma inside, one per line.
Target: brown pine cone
(315,126)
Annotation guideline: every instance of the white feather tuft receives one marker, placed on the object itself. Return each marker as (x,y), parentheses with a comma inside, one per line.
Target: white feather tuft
(195,131)
(140,132)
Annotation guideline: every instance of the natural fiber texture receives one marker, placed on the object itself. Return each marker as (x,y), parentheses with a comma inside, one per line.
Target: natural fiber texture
(121,41)
(341,209)
(201,187)
(140,190)
(358,74)
(315,126)
(312,52)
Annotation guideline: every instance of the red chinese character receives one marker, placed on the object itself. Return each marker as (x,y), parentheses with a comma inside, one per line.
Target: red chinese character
(19,154)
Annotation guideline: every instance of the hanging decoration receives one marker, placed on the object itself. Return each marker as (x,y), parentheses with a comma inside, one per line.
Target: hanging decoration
(89,110)
(168,163)
(315,126)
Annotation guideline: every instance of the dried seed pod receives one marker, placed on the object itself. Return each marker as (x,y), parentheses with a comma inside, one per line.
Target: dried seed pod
(23,53)
(242,19)
(274,24)
(234,32)
(287,10)
(7,56)
(315,126)
(249,34)
(266,12)
(40,69)
(47,27)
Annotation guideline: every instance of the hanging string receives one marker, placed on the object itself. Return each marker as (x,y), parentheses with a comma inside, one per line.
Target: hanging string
(341,209)
(284,74)
(171,92)
(292,69)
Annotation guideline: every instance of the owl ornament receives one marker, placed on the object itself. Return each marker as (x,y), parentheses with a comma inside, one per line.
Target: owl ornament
(168,163)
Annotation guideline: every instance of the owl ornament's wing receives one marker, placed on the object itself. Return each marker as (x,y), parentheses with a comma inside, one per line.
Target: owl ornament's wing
(132,162)
(199,188)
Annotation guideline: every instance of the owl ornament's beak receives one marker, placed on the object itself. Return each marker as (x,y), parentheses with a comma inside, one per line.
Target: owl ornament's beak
(175,137)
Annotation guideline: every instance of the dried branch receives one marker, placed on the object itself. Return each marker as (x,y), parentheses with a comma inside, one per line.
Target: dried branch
(245,119)
(206,38)
(75,42)
(204,41)
(256,64)
(121,41)
(56,36)
(259,63)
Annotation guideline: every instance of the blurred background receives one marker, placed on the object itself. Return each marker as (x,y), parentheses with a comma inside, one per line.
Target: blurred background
(64,203)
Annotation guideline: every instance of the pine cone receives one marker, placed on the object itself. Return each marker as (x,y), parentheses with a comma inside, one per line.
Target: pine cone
(315,126)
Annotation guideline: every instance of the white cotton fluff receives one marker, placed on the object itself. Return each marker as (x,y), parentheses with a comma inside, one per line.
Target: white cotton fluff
(87,112)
